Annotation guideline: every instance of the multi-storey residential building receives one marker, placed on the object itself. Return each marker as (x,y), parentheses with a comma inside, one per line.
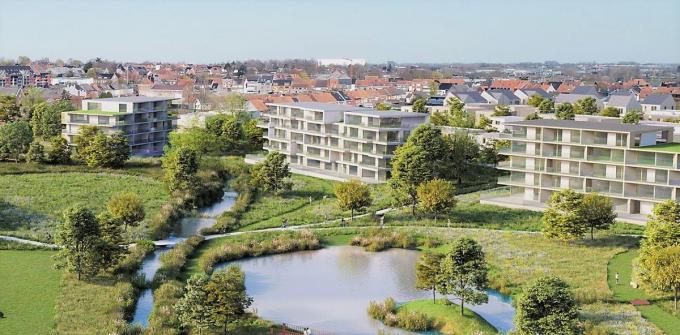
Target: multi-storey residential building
(338,141)
(144,120)
(636,166)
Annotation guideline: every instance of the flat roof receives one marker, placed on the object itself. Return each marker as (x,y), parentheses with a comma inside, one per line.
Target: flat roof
(589,125)
(97,112)
(133,99)
(390,113)
(319,106)
(665,147)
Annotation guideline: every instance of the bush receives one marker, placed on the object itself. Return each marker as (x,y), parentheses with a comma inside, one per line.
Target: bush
(381,239)
(387,313)
(413,321)
(164,319)
(174,260)
(295,241)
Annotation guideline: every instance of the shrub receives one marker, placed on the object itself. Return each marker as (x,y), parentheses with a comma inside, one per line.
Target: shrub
(163,319)
(387,313)
(413,321)
(173,260)
(381,239)
(295,241)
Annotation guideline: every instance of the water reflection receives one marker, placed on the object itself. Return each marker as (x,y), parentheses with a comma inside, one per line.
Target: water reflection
(329,289)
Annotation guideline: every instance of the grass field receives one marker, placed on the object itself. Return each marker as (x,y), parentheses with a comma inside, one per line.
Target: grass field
(656,313)
(270,210)
(29,287)
(36,201)
(138,166)
(448,319)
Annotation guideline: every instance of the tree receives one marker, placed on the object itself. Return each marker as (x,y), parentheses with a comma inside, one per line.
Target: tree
(460,118)
(111,249)
(533,116)
(610,112)
(420,105)
(434,87)
(253,135)
(82,141)
(547,306)
(501,110)
(9,109)
(105,95)
(587,106)
(23,60)
(632,117)
(664,271)
(36,153)
(79,239)
(546,106)
(463,273)
(201,141)
(226,297)
(455,103)
(383,106)
(180,168)
(91,73)
(565,111)
(107,151)
(489,153)
(436,196)
(427,272)
(32,97)
(192,308)
(272,173)
(462,153)
(563,218)
(59,152)
(127,208)
(662,231)
(484,122)
(535,100)
(597,211)
(353,195)
(15,138)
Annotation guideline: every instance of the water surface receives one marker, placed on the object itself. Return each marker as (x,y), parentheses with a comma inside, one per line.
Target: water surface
(329,289)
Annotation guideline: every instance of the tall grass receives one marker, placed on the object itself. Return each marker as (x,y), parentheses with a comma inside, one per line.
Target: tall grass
(174,260)
(377,239)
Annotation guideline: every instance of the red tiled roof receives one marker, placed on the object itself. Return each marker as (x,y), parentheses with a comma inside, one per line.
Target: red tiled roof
(324,97)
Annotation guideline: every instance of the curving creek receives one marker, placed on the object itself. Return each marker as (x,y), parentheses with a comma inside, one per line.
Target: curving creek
(327,289)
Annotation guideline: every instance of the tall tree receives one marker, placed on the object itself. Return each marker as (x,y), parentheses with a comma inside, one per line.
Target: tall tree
(226,297)
(79,239)
(662,231)
(633,117)
(664,271)
(461,156)
(9,109)
(15,139)
(547,306)
(271,174)
(127,208)
(192,308)
(587,106)
(36,152)
(463,273)
(563,218)
(436,196)
(111,249)
(535,100)
(180,168)
(565,111)
(59,152)
(82,141)
(201,141)
(353,195)
(428,268)
(410,167)
(598,212)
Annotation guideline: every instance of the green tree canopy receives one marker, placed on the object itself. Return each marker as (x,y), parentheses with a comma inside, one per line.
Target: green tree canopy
(535,100)
(461,157)
(271,175)
(181,166)
(633,117)
(383,106)
(463,273)
(79,240)
(428,268)
(15,139)
(662,231)
(436,196)
(610,112)
(353,195)
(547,306)
(563,219)
(547,106)
(501,110)
(420,105)
(192,309)
(533,116)
(127,208)
(565,111)
(587,106)
(598,212)
(9,109)
(664,271)
(226,297)
(59,151)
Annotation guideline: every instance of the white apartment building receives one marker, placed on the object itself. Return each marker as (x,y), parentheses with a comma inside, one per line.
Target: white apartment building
(636,166)
(338,141)
(144,120)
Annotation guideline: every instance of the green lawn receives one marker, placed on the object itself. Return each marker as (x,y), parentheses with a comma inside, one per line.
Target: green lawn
(448,319)
(141,166)
(36,201)
(270,210)
(623,292)
(29,287)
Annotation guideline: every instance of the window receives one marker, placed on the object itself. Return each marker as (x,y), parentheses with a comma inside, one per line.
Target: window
(102,120)
(122,108)
(91,106)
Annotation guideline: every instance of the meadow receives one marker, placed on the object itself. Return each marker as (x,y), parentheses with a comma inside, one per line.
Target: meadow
(29,290)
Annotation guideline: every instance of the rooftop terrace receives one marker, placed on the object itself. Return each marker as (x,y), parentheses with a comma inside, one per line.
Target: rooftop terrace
(665,147)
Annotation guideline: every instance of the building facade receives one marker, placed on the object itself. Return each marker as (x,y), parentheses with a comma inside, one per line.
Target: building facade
(636,166)
(337,140)
(145,121)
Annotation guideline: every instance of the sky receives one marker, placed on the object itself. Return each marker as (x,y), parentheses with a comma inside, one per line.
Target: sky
(427,31)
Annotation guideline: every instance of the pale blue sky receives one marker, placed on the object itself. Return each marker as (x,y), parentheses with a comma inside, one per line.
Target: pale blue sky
(400,30)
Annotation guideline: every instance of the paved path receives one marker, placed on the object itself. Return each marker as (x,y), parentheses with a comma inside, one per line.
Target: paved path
(25,241)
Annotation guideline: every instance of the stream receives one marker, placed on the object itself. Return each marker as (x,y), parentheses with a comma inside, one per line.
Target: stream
(189,226)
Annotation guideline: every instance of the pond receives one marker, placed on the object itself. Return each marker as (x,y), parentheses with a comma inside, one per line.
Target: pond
(329,289)
(206,217)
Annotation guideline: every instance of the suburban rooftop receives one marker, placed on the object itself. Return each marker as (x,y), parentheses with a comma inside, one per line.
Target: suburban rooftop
(133,99)
(588,125)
